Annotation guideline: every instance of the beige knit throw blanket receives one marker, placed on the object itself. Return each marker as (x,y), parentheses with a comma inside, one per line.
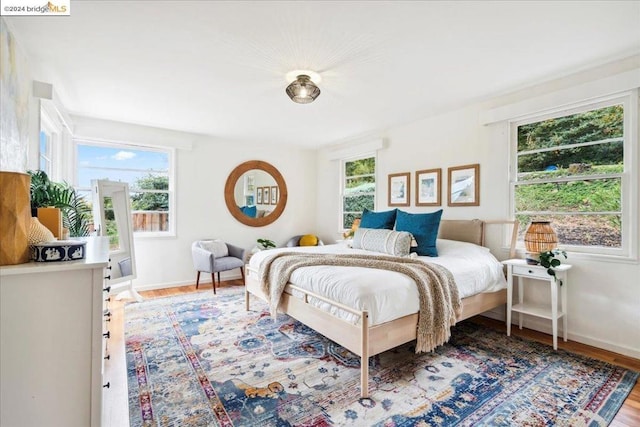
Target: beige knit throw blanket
(440,304)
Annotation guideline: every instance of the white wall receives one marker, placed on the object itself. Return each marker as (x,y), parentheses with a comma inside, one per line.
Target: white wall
(603,296)
(202,171)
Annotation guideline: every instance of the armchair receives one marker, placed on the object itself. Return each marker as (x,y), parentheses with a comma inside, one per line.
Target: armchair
(214,256)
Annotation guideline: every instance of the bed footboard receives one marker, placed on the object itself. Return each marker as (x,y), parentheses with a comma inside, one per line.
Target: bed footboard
(361,339)
(354,338)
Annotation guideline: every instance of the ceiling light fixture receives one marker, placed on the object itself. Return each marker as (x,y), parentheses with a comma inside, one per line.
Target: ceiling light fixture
(302,90)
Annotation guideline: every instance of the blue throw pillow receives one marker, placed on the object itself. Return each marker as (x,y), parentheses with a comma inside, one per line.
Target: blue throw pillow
(424,228)
(250,211)
(371,219)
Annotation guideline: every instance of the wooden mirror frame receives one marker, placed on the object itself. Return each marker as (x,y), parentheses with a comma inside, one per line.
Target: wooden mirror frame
(229,193)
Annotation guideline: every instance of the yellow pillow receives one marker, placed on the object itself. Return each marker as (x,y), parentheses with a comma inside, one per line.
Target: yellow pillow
(308,240)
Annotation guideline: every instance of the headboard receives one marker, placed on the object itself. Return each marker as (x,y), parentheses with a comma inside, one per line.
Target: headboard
(473,231)
(462,230)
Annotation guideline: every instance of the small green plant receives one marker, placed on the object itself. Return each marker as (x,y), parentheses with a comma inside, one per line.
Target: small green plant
(266,243)
(551,259)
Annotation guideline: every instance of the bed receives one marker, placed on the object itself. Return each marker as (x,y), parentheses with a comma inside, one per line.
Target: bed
(371,316)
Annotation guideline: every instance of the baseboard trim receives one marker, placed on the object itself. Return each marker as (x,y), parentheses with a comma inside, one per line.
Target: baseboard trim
(541,325)
(204,280)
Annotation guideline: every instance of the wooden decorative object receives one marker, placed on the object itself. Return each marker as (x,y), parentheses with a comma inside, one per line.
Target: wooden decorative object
(229,193)
(15,217)
(52,219)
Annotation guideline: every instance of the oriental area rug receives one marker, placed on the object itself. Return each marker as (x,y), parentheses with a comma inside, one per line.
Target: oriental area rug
(202,360)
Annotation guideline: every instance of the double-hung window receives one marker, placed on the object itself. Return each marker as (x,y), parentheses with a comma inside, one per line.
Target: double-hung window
(49,144)
(573,168)
(45,152)
(147,170)
(358,188)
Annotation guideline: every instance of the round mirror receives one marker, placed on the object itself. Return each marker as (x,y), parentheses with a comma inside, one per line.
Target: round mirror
(255,193)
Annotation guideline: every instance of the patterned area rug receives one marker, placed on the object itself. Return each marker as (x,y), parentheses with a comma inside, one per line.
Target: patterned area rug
(202,360)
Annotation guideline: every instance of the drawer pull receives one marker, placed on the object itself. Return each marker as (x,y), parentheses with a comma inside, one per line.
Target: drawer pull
(107,334)
(108,299)
(530,271)
(109,268)
(107,313)
(107,289)
(107,385)
(108,277)
(107,357)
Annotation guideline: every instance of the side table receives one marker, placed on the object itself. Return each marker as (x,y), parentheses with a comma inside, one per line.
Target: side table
(519,269)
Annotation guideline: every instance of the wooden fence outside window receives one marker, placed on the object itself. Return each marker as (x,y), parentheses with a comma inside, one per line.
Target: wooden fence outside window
(150,221)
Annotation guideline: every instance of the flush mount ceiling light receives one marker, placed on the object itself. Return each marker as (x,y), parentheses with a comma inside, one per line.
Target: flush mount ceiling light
(303,90)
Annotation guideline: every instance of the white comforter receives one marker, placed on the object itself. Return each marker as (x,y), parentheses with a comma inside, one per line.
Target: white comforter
(388,295)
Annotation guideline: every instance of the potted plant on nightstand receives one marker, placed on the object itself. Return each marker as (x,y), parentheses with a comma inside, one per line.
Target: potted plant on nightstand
(263,244)
(551,259)
(266,244)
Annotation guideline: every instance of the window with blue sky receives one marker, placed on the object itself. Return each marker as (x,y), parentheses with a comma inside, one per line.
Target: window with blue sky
(146,170)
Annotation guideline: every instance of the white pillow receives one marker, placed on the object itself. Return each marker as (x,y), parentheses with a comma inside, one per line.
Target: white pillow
(381,240)
(217,247)
(454,247)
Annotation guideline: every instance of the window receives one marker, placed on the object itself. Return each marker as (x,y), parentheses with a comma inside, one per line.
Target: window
(571,168)
(358,188)
(51,132)
(44,157)
(148,171)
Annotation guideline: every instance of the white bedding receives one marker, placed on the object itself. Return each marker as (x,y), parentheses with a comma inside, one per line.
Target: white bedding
(388,295)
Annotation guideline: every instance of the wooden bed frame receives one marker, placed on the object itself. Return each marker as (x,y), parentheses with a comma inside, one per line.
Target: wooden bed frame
(365,340)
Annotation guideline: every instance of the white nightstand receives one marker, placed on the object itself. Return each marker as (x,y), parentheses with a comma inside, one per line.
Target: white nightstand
(519,268)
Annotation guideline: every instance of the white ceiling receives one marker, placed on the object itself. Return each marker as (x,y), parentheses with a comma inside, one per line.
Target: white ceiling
(218,68)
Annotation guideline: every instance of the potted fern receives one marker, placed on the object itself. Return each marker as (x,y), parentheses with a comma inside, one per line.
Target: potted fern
(76,212)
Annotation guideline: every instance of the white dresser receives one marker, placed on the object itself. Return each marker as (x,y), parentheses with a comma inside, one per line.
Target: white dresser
(51,341)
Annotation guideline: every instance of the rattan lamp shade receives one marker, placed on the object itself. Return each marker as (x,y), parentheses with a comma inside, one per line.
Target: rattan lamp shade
(540,237)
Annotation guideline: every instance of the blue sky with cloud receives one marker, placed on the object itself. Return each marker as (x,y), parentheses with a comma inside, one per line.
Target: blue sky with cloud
(118,164)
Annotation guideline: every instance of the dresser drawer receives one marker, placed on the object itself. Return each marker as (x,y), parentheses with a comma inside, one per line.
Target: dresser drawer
(531,271)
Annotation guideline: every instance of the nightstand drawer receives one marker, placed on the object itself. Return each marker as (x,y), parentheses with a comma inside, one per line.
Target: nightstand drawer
(531,271)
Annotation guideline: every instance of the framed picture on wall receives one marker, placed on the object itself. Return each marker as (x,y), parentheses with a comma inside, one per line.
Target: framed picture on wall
(266,195)
(274,195)
(428,187)
(250,182)
(259,195)
(399,189)
(464,185)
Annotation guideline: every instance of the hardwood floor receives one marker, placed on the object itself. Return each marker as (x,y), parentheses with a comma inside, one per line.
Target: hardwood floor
(116,400)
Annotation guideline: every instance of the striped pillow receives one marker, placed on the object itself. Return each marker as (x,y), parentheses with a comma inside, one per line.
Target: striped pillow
(390,242)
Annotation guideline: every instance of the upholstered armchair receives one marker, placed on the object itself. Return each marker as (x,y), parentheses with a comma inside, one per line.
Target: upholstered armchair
(214,256)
